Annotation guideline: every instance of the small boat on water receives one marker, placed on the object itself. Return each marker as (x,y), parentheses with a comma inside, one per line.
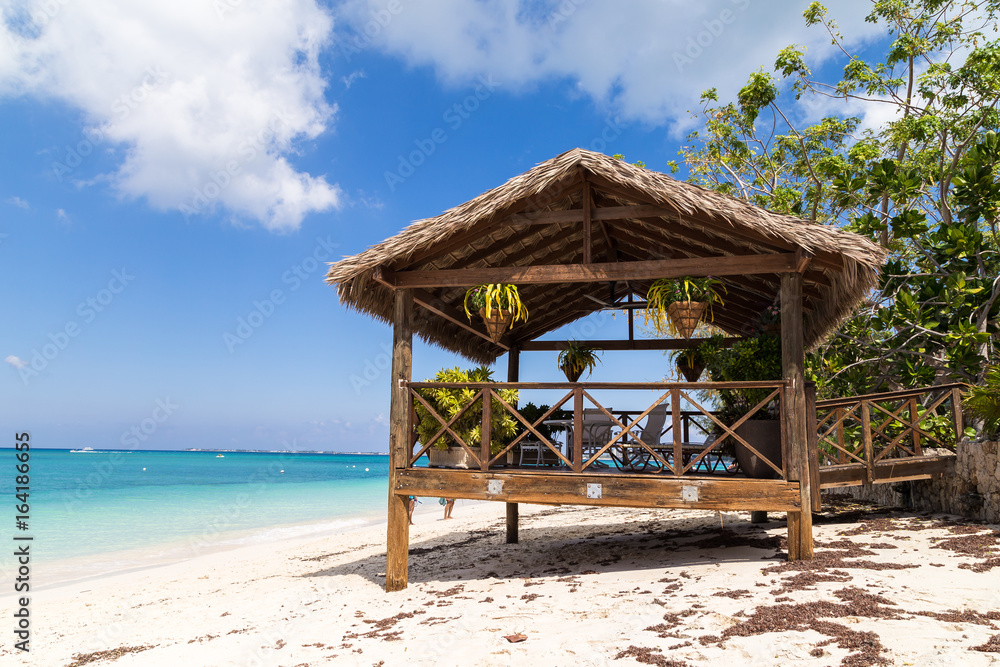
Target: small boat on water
(85,450)
(219,456)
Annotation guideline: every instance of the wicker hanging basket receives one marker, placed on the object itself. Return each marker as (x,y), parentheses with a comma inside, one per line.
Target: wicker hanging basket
(685,316)
(691,373)
(497,322)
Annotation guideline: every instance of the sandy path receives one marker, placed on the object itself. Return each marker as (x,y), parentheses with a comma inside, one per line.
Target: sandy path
(586,586)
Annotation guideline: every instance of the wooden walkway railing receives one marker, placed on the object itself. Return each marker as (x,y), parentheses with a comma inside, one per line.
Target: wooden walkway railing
(863,432)
(669,458)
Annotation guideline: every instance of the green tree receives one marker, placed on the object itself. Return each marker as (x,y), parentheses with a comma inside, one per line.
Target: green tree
(923,184)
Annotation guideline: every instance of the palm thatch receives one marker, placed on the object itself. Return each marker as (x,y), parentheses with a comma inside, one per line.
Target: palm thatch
(675,220)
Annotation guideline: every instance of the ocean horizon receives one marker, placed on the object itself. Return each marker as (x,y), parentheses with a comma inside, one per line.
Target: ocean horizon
(93,512)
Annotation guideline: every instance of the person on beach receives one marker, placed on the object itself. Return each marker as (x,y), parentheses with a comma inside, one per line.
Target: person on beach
(448,506)
(413,504)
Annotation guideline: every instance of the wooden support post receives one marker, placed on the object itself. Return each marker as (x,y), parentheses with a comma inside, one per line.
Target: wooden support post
(757,516)
(841,454)
(675,430)
(587,223)
(578,429)
(915,426)
(956,413)
(813,458)
(398,529)
(513,373)
(800,542)
(487,429)
(866,439)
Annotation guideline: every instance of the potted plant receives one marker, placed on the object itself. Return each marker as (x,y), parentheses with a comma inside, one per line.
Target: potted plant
(499,304)
(756,358)
(690,363)
(577,358)
(678,305)
(447,402)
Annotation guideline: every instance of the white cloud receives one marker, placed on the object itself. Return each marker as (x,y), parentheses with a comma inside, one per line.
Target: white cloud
(16,362)
(18,202)
(648,61)
(62,216)
(205,100)
(352,77)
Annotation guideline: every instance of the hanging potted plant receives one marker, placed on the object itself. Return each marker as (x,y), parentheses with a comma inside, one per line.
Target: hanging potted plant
(690,363)
(677,305)
(577,358)
(498,304)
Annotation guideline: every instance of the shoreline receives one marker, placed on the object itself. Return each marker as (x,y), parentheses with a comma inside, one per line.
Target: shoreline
(94,567)
(586,586)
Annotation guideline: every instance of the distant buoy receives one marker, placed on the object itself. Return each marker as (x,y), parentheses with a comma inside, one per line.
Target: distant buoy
(366,469)
(143,468)
(282,472)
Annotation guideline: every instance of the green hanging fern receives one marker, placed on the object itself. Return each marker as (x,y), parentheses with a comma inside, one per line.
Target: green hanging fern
(495,295)
(577,358)
(666,291)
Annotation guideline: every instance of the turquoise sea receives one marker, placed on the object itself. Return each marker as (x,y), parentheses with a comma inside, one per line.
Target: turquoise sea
(116,509)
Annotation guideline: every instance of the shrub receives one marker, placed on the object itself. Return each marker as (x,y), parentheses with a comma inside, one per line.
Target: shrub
(447,402)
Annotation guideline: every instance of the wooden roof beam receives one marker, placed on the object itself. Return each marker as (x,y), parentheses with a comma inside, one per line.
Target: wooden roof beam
(441,309)
(584,273)
(689,249)
(617,345)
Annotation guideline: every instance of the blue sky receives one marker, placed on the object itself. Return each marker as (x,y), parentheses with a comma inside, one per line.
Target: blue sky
(174,177)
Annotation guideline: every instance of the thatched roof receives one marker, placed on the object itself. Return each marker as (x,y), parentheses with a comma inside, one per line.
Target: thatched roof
(501,228)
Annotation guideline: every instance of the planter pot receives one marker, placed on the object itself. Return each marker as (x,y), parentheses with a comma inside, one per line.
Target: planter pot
(497,322)
(571,375)
(453,457)
(765,436)
(685,316)
(691,373)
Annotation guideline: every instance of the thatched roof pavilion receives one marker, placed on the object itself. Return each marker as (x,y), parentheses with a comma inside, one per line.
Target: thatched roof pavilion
(580,233)
(638,216)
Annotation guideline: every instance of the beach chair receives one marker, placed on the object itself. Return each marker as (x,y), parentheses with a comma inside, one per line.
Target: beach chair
(597,430)
(636,457)
(532,449)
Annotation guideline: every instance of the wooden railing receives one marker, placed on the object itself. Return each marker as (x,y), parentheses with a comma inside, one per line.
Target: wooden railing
(869,429)
(669,458)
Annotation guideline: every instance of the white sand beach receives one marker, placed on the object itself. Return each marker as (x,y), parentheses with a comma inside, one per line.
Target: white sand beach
(585,586)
